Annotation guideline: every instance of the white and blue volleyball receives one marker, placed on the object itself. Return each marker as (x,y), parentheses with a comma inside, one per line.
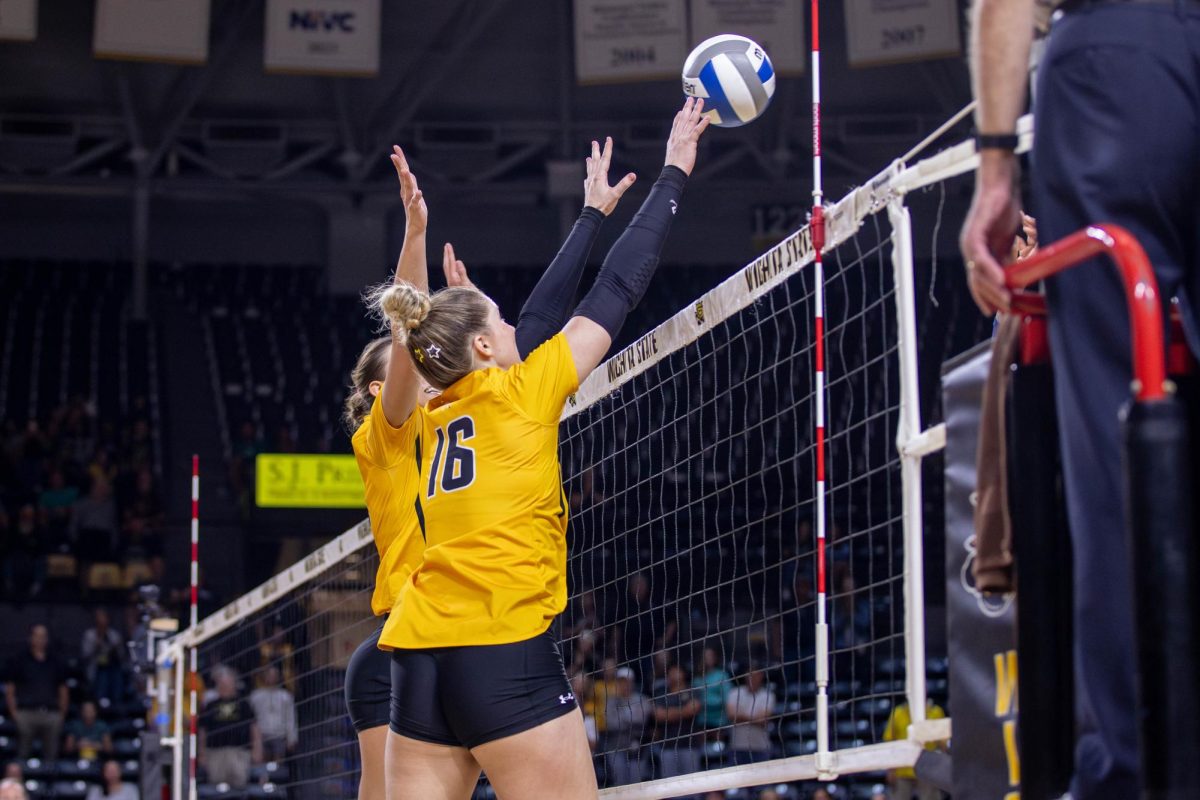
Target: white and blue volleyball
(733,75)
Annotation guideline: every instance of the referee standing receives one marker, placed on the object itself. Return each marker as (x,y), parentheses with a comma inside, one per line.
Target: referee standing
(1117,139)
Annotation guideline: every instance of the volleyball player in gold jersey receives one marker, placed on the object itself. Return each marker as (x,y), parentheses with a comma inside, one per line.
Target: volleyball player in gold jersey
(478,680)
(386,445)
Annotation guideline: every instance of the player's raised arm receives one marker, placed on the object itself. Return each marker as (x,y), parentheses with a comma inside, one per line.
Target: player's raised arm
(400,387)
(633,259)
(549,305)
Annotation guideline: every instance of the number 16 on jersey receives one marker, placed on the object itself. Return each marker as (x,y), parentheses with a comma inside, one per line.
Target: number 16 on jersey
(453,461)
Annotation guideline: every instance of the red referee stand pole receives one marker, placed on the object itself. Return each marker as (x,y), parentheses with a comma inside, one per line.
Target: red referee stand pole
(1159,484)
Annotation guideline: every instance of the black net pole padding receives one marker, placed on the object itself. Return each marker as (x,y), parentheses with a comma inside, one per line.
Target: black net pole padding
(1159,485)
(1042,550)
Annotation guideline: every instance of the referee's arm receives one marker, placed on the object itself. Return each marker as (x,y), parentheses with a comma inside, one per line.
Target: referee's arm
(1002,32)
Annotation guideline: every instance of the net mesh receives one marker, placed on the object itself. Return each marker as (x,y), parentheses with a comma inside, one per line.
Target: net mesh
(693,559)
(689,634)
(300,644)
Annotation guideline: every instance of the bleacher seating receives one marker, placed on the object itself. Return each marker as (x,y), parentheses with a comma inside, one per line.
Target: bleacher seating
(281,349)
(66,331)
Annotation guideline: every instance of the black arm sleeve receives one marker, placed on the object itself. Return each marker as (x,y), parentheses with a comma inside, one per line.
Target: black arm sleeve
(549,304)
(631,262)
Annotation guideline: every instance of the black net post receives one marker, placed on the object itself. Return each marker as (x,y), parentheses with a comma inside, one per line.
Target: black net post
(1160,482)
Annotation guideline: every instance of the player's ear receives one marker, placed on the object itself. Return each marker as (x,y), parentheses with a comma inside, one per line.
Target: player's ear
(482,346)
(375,387)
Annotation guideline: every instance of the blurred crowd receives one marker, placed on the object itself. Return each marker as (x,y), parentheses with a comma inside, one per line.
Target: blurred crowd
(80,506)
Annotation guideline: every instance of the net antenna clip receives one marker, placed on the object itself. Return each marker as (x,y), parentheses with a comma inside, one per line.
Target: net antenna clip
(827,766)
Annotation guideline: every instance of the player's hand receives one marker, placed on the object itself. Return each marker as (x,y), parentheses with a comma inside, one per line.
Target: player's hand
(416,214)
(454,270)
(1025,246)
(596,191)
(987,234)
(686,130)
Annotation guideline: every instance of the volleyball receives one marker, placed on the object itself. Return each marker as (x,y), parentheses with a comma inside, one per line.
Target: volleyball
(734,76)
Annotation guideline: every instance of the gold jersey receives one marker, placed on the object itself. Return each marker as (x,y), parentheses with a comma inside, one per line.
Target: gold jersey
(493,509)
(387,458)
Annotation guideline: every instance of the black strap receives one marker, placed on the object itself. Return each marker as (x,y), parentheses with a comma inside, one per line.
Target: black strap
(996,141)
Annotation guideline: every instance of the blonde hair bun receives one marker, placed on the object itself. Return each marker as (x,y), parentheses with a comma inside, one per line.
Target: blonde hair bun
(404,305)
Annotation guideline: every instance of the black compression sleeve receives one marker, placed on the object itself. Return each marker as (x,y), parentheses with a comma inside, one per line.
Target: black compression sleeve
(548,306)
(631,262)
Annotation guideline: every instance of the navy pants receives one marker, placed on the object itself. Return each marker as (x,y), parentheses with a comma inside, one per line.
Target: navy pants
(1117,140)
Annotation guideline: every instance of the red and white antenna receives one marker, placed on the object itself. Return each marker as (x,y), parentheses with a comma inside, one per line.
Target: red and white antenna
(817,226)
(195,586)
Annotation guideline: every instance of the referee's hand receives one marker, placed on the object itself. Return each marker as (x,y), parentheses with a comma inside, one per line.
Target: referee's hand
(987,235)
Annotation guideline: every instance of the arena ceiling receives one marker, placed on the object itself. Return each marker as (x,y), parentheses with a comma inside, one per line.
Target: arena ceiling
(482,91)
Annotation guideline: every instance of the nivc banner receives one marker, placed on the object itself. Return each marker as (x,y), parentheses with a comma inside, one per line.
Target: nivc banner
(628,40)
(884,31)
(983,656)
(18,20)
(323,37)
(152,30)
(777,25)
(288,480)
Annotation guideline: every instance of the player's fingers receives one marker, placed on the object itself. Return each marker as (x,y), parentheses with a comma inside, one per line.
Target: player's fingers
(624,184)
(606,156)
(595,150)
(398,152)
(701,127)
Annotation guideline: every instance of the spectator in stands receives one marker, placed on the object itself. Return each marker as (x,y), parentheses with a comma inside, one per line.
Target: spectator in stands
(581,687)
(675,714)
(103,651)
(627,715)
(640,627)
(111,786)
(603,689)
(88,737)
(12,790)
(903,781)
(241,466)
(101,467)
(36,694)
(229,737)
(13,771)
(713,681)
(851,618)
(25,556)
(823,793)
(94,523)
(768,794)
(275,711)
(54,505)
(749,707)
(879,792)
(276,650)
(142,517)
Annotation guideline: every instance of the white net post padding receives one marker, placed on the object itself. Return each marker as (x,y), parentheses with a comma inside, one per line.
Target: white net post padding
(909,427)
(690,463)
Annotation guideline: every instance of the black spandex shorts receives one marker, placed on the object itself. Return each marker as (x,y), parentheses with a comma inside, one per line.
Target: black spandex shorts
(369,683)
(468,696)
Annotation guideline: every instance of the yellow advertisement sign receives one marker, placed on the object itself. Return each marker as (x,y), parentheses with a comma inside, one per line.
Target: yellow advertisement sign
(289,480)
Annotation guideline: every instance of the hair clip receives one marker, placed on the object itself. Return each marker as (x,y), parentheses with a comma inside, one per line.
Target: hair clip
(435,351)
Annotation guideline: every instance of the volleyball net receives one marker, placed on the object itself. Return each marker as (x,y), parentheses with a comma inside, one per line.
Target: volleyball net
(697,637)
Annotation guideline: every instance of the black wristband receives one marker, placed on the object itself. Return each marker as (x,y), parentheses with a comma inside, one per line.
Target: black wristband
(997,141)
